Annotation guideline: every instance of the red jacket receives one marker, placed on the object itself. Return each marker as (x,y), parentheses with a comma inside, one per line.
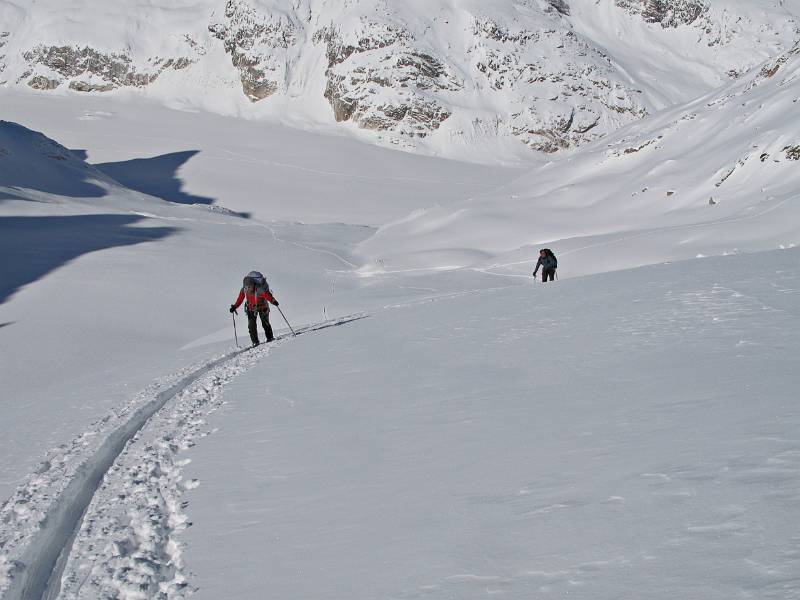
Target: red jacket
(255,301)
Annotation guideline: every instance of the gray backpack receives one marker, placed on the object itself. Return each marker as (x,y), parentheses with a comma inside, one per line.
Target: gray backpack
(259,282)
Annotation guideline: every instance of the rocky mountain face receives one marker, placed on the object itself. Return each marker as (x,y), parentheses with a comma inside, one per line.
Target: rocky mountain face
(88,70)
(258,43)
(414,72)
(667,13)
(378,77)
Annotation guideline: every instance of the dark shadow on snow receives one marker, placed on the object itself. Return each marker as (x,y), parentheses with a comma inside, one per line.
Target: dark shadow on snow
(156,176)
(31,160)
(31,247)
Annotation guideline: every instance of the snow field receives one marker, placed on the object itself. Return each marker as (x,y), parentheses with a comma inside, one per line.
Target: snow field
(603,437)
(130,310)
(597,437)
(269,171)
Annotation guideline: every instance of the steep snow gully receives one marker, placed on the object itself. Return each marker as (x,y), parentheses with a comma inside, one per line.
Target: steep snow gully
(37,572)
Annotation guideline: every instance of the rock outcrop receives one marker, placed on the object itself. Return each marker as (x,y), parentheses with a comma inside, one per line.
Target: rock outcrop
(3,41)
(379,79)
(257,42)
(86,69)
(667,13)
(567,90)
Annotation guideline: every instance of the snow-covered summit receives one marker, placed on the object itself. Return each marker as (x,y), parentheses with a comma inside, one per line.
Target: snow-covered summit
(455,77)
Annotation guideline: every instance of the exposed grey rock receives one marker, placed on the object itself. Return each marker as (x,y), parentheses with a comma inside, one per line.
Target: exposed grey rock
(257,42)
(114,69)
(40,82)
(565,85)
(667,13)
(380,36)
(489,29)
(385,58)
(3,41)
(771,69)
(560,5)
(83,86)
(671,13)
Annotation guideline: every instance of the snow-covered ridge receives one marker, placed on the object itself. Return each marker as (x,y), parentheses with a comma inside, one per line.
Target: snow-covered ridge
(31,160)
(436,76)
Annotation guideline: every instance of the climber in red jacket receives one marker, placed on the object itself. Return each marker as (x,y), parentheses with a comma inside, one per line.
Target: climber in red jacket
(256,290)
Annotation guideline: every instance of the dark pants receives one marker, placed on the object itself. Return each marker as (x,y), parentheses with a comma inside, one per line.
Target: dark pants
(253,328)
(551,273)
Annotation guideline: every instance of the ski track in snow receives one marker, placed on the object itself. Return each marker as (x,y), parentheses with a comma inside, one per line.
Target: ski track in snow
(249,159)
(119,482)
(277,238)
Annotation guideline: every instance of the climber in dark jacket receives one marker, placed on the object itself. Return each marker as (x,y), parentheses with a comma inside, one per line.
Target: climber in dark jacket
(548,262)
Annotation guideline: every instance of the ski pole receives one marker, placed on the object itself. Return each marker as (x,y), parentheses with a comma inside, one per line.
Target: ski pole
(287,322)
(234,328)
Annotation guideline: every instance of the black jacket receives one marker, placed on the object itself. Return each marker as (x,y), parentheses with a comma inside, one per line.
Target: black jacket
(546,262)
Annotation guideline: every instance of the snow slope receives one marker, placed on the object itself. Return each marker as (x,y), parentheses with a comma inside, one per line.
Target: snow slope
(112,297)
(687,48)
(607,437)
(271,172)
(124,244)
(718,175)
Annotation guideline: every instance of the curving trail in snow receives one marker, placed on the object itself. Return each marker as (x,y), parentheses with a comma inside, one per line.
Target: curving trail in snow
(128,483)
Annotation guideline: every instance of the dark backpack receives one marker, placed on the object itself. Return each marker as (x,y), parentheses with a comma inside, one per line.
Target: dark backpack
(549,254)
